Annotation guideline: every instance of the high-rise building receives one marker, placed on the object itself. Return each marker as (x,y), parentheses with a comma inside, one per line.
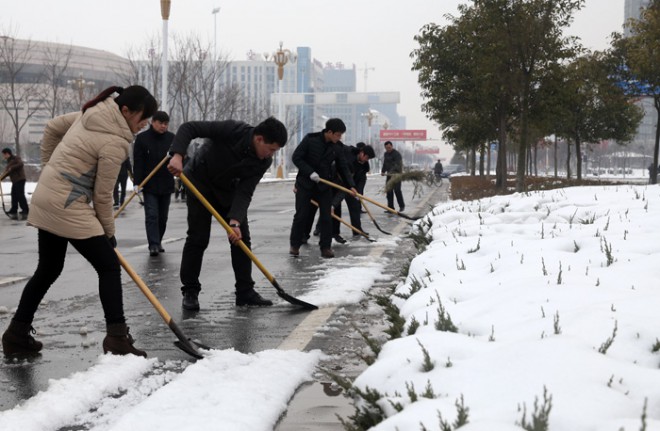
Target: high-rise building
(645,138)
(632,9)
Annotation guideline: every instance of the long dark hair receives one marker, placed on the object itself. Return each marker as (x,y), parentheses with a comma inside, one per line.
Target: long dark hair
(136,98)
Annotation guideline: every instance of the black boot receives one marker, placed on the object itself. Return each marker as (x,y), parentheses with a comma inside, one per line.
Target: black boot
(250,297)
(17,340)
(190,300)
(119,341)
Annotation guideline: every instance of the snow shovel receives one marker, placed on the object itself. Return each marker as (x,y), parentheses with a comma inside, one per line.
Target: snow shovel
(280,292)
(151,174)
(344,189)
(366,208)
(350,226)
(184,343)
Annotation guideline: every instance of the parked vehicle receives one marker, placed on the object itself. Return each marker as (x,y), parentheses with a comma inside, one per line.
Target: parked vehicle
(450,170)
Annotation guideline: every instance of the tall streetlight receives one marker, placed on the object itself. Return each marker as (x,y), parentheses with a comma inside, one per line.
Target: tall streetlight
(165,14)
(214,12)
(370,116)
(281,57)
(80,84)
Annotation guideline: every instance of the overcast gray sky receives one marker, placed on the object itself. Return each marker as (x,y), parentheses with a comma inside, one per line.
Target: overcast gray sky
(376,34)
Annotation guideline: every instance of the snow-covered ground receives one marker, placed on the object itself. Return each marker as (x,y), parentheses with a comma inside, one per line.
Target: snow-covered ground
(532,305)
(521,305)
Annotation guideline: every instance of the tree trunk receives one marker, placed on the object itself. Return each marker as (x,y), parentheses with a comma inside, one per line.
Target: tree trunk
(556,157)
(500,167)
(488,160)
(568,159)
(578,157)
(656,147)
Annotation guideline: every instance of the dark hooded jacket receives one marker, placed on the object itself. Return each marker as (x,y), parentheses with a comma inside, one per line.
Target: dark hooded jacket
(226,165)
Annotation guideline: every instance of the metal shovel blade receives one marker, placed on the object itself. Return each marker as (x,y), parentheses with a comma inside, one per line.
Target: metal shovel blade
(290,299)
(186,344)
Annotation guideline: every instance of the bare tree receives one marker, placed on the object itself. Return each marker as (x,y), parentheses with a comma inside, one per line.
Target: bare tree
(57,100)
(19,98)
(145,65)
(229,103)
(196,87)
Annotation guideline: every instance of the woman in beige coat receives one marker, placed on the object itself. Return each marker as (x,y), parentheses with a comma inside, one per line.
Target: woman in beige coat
(72,204)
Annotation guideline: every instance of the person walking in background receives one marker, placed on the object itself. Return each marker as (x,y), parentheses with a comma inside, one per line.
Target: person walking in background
(149,149)
(437,170)
(393,164)
(82,153)
(16,172)
(179,189)
(119,196)
(226,170)
(314,158)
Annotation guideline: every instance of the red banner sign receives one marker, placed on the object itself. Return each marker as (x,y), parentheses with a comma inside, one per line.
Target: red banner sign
(427,150)
(402,135)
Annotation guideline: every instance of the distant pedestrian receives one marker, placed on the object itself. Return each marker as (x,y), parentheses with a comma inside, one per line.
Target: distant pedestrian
(314,158)
(437,170)
(226,170)
(393,164)
(179,189)
(119,196)
(72,204)
(16,172)
(149,149)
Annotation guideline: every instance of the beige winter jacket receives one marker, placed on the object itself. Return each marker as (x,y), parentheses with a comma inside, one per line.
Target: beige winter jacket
(73,197)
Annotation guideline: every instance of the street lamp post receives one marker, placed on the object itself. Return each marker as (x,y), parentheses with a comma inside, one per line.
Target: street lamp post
(165,13)
(369,115)
(281,57)
(214,12)
(80,84)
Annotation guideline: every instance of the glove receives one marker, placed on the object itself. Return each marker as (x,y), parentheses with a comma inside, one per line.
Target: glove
(314,177)
(136,189)
(113,241)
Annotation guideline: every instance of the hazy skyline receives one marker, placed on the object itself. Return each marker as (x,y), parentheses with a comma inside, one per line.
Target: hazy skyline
(376,35)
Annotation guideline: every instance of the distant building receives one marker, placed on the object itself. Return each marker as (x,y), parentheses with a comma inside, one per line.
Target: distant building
(311,92)
(80,73)
(632,9)
(645,137)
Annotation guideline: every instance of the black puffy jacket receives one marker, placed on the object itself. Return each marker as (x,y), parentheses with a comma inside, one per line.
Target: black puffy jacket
(313,154)
(226,165)
(149,149)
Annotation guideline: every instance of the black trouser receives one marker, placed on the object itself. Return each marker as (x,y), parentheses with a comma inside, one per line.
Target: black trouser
(52,251)
(156,212)
(197,240)
(18,197)
(304,216)
(396,190)
(116,195)
(179,188)
(353,205)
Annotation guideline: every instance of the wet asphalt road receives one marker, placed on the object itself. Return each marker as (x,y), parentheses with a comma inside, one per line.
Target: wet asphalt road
(70,319)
